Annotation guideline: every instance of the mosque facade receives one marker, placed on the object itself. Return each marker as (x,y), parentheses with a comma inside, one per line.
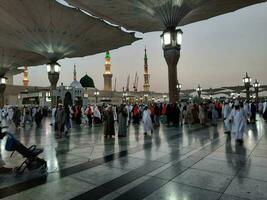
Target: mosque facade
(83,91)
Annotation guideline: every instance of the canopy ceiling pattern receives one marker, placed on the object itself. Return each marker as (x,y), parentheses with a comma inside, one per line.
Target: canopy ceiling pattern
(55,31)
(156,15)
(10,59)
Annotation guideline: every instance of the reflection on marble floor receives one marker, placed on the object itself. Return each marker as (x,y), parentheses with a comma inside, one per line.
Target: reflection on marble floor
(174,163)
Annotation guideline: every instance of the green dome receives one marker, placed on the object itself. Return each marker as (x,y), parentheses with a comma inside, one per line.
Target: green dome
(87,82)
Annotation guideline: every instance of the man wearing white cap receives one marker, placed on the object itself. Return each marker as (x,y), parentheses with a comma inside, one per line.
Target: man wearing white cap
(226,114)
(238,118)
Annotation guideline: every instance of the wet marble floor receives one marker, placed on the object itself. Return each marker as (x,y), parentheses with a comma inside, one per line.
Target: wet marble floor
(174,163)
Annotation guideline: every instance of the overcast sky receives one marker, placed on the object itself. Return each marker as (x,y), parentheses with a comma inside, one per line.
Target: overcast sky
(215,53)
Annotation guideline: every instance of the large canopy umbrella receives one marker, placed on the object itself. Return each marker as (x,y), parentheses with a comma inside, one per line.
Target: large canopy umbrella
(56,31)
(10,59)
(161,15)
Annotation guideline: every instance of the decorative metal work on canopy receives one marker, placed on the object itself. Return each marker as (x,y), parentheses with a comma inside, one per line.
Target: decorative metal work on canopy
(161,15)
(55,31)
(157,15)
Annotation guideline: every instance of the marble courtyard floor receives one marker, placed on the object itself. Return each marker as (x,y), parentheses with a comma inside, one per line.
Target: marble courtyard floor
(174,163)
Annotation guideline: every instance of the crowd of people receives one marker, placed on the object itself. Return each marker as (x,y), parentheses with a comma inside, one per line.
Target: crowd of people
(152,115)
(235,115)
(21,116)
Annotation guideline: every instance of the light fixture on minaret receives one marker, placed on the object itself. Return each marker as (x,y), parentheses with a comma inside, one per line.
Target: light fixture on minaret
(146,74)
(25,77)
(107,74)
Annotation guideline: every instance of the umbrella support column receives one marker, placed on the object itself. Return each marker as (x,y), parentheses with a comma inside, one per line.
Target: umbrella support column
(172,57)
(257,94)
(53,79)
(247,93)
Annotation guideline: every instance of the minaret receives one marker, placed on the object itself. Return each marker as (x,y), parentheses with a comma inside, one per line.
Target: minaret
(25,77)
(146,74)
(107,74)
(74,73)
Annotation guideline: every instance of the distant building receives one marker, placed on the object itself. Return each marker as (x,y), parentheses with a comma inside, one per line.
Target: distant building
(146,74)
(25,77)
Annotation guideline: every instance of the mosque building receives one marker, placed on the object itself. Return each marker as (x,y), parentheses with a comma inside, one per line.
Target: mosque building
(83,91)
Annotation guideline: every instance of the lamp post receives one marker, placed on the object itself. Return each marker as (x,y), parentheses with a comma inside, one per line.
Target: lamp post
(53,70)
(256,86)
(124,96)
(199,90)
(96,93)
(171,40)
(164,98)
(247,81)
(2,90)
(178,86)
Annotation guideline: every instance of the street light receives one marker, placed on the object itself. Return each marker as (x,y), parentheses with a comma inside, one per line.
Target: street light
(53,70)
(53,67)
(199,90)
(171,41)
(3,80)
(178,87)
(171,38)
(247,80)
(256,86)
(96,93)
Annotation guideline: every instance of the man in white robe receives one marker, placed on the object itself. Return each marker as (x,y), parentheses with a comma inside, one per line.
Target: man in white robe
(114,109)
(97,115)
(10,113)
(53,116)
(238,127)
(226,113)
(148,126)
(247,110)
(129,118)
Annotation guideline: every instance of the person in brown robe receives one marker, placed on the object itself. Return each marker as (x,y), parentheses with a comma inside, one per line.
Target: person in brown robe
(108,118)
